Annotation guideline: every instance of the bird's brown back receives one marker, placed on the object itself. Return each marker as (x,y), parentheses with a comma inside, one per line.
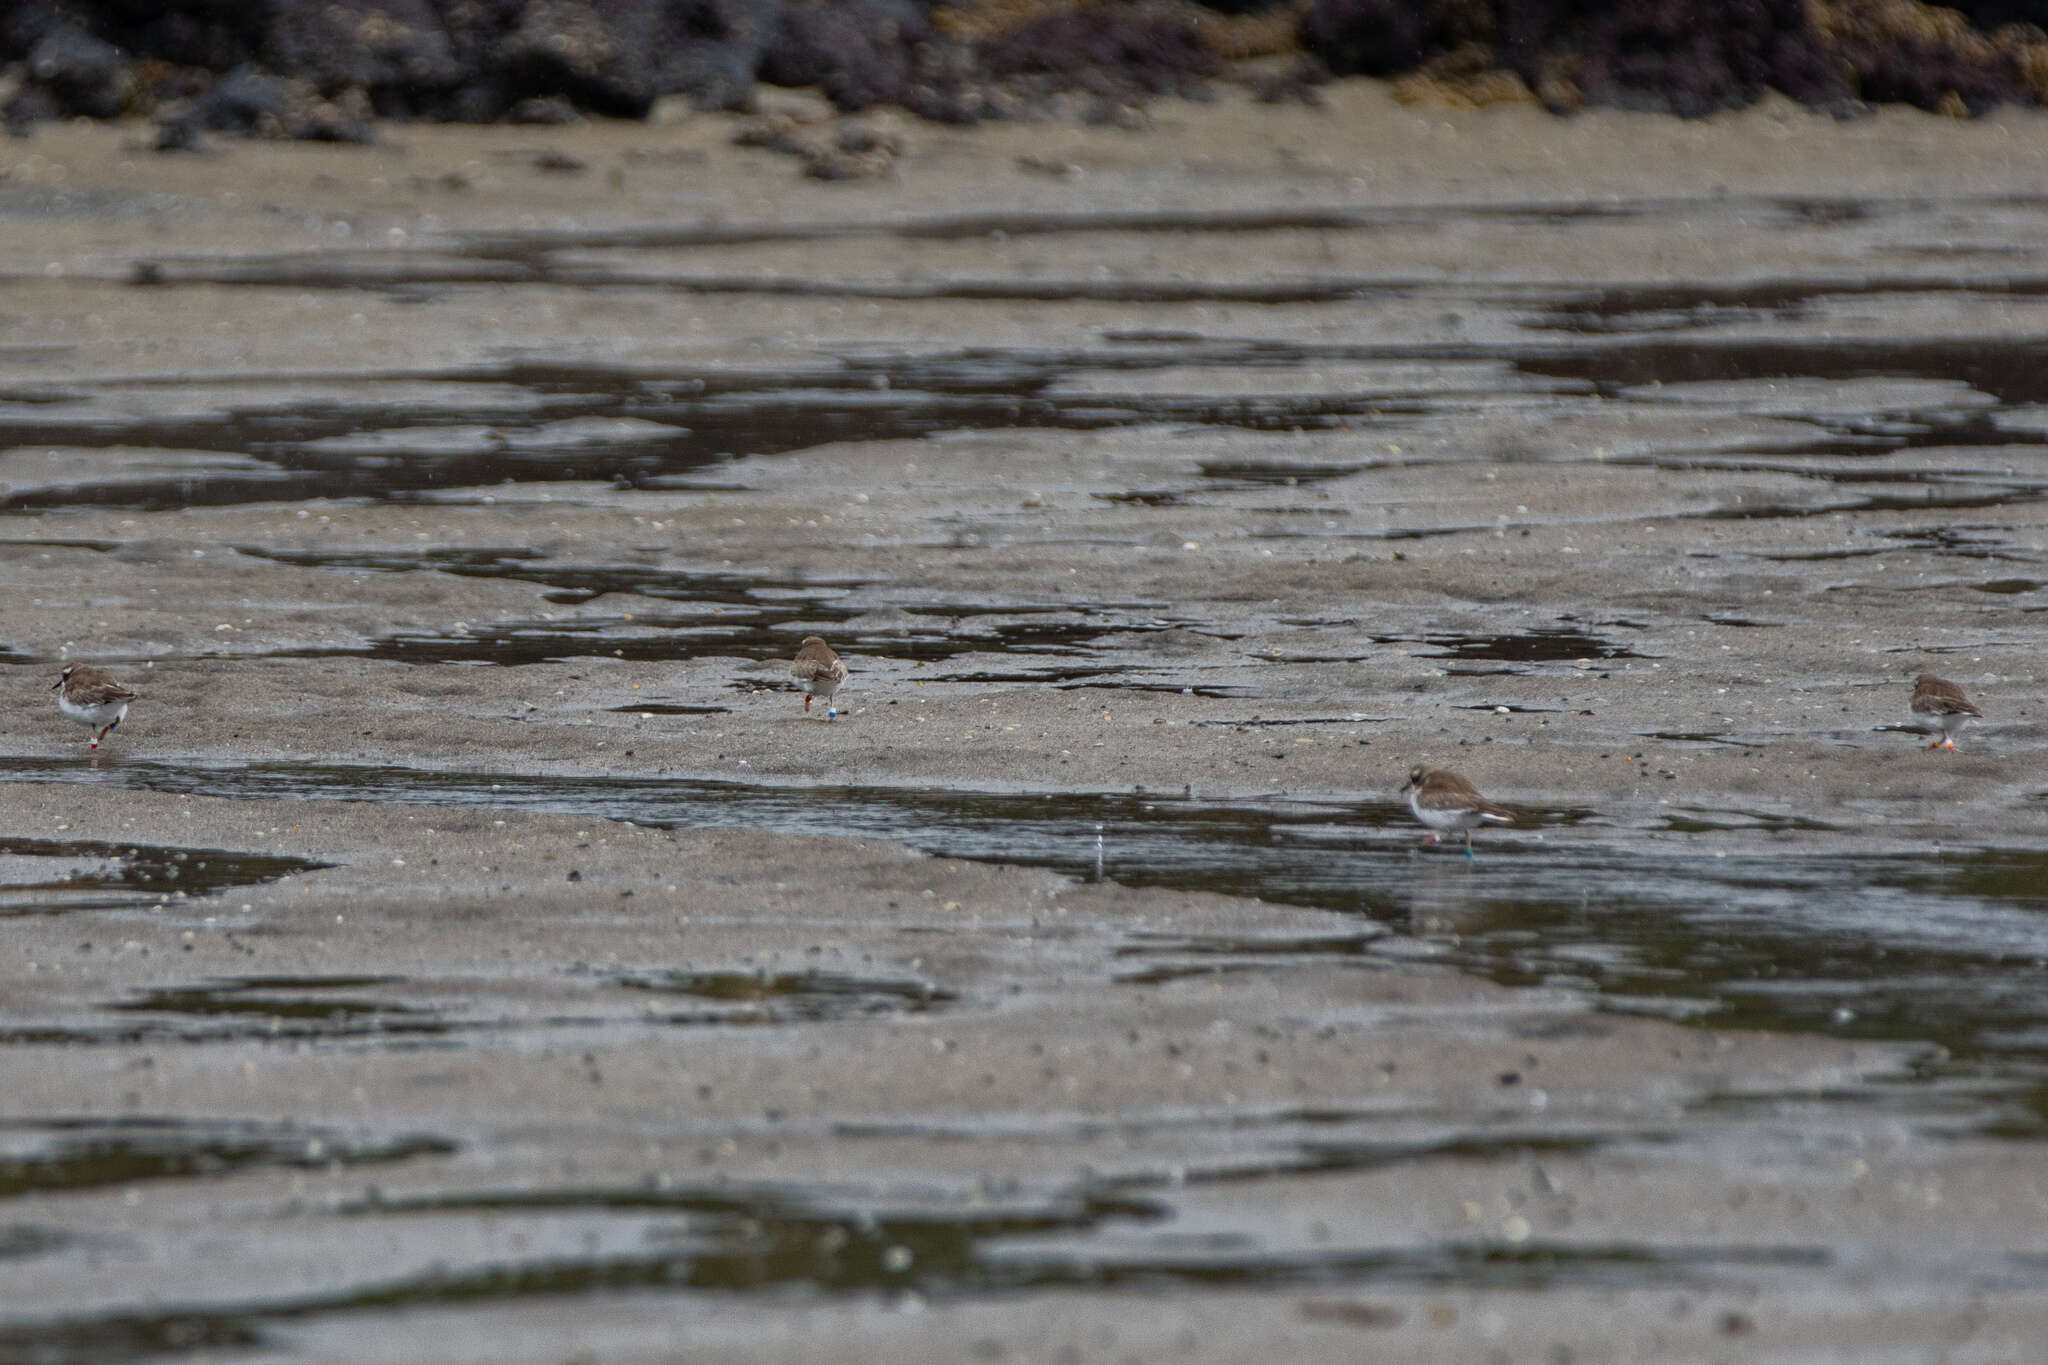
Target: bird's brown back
(90,686)
(816,660)
(1440,790)
(1940,697)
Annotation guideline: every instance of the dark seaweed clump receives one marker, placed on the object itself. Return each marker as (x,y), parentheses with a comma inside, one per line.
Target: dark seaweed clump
(1106,50)
(1683,57)
(858,54)
(1659,54)
(861,54)
(1390,37)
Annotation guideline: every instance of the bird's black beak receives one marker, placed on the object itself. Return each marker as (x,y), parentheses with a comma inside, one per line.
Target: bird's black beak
(57,684)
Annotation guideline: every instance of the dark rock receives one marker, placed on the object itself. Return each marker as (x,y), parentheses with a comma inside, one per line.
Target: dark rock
(715,75)
(1242,6)
(245,101)
(1929,76)
(591,53)
(611,57)
(1299,82)
(1106,111)
(159,83)
(1367,37)
(395,50)
(855,151)
(546,110)
(783,133)
(180,134)
(29,106)
(24,24)
(947,104)
(861,53)
(1108,50)
(1995,14)
(831,165)
(83,74)
(347,118)
(948,87)
(1389,37)
(1673,56)
(256,105)
(214,35)
(708,50)
(866,139)
(1656,54)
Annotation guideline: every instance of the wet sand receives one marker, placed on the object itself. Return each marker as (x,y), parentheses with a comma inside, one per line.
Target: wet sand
(1499,468)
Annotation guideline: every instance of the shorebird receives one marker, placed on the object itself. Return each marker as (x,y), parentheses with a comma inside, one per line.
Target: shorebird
(1444,801)
(1940,701)
(91,697)
(820,671)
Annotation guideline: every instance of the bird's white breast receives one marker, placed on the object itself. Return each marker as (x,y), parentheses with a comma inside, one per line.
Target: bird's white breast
(102,713)
(1438,818)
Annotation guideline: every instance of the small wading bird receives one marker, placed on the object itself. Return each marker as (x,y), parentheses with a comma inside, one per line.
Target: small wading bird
(1941,702)
(1444,801)
(91,697)
(820,671)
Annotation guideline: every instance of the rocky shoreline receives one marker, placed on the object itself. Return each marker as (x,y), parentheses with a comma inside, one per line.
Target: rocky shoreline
(331,70)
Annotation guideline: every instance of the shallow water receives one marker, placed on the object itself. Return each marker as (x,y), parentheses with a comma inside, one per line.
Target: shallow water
(41,1155)
(761,1246)
(524,422)
(55,875)
(1801,934)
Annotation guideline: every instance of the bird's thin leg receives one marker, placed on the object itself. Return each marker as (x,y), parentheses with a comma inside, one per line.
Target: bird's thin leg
(1468,842)
(100,736)
(807,701)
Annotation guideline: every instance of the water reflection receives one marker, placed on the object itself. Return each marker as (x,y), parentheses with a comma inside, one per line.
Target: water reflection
(1690,919)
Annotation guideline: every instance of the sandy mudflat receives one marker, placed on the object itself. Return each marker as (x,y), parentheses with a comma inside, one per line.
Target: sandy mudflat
(1628,466)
